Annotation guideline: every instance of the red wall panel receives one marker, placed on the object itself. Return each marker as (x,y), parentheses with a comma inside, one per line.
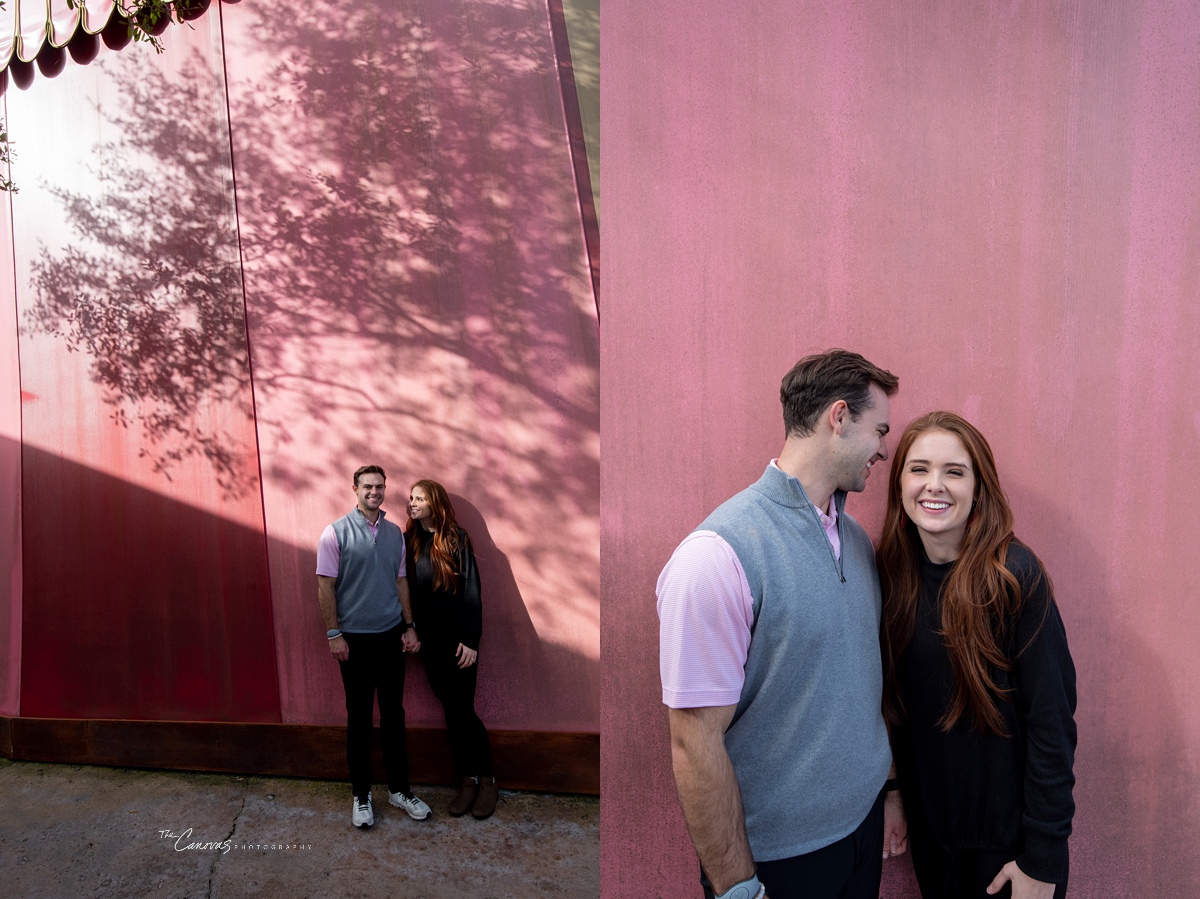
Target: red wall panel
(142,606)
(144,557)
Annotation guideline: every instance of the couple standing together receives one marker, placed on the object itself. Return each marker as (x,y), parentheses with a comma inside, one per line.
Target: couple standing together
(829,706)
(379,589)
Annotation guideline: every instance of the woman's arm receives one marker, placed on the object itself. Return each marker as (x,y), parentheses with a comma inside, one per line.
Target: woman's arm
(472,602)
(1045,678)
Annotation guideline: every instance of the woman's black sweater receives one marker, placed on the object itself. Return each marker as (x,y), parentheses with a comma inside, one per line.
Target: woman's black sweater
(442,616)
(968,790)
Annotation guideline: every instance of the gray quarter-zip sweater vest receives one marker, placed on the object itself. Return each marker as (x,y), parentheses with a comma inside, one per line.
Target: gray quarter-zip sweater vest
(367,570)
(807,739)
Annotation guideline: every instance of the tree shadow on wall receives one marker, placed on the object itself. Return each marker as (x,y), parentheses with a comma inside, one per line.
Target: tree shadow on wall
(418,211)
(150,288)
(393,190)
(399,200)
(413,267)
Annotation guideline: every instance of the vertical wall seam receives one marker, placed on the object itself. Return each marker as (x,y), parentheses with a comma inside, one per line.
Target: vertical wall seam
(569,97)
(17,611)
(237,227)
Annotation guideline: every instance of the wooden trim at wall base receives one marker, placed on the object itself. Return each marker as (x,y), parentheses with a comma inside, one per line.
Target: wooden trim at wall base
(543,761)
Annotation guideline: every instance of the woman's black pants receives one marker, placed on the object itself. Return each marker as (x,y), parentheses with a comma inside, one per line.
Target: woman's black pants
(455,689)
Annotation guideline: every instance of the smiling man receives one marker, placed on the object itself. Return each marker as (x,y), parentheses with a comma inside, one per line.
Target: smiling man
(769,655)
(363,592)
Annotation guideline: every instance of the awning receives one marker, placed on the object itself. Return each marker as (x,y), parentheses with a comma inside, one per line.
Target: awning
(26,25)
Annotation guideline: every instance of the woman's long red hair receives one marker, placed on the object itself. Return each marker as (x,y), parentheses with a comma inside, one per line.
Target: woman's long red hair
(979,596)
(442,542)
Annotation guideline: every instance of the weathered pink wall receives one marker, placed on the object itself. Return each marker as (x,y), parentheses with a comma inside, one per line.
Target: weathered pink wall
(287,246)
(418,295)
(1001,204)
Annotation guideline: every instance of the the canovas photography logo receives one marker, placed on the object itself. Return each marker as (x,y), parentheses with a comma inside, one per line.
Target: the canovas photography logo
(185,840)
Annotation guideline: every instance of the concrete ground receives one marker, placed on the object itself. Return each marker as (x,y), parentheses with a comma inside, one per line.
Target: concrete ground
(78,831)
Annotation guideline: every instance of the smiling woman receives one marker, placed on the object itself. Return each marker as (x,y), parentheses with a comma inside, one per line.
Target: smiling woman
(937,488)
(447,603)
(980,686)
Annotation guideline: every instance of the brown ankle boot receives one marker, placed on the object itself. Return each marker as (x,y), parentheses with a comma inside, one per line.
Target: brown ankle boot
(485,802)
(466,797)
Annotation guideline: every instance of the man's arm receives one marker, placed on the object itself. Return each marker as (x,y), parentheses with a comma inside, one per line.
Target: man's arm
(328,600)
(410,641)
(709,794)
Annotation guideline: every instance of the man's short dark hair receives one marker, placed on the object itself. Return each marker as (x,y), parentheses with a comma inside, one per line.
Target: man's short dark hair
(816,382)
(369,469)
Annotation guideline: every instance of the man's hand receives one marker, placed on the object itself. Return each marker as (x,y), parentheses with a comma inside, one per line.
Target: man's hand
(410,641)
(340,648)
(1023,886)
(466,656)
(895,825)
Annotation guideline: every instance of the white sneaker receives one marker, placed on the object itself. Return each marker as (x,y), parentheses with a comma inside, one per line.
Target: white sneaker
(417,810)
(363,815)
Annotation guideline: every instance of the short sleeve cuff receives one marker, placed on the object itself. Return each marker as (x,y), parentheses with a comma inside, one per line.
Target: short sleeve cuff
(700,699)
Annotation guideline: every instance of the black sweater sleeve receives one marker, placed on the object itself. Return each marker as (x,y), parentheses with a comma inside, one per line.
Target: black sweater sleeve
(472,602)
(1045,679)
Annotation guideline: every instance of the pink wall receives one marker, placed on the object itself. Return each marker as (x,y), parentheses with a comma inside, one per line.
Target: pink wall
(417,294)
(369,248)
(998,203)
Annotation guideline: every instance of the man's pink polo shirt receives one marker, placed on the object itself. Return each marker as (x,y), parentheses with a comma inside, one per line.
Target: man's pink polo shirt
(705,613)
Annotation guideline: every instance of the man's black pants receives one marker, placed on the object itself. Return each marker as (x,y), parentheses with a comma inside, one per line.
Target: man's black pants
(851,868)
(376,665)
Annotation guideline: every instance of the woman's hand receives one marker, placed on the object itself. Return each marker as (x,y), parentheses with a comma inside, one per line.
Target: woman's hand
(466,656)
(1023,886)
(895,825)
(409,642)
